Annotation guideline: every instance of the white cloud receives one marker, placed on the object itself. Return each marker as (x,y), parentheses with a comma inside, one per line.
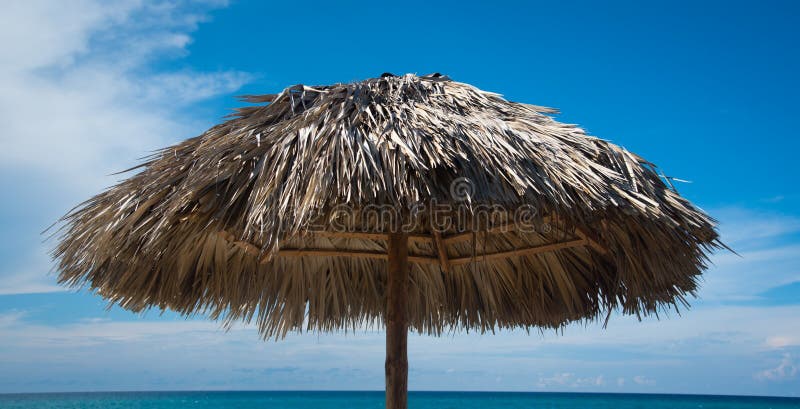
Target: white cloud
(28,283)
(623,358)
(779,342)
(80,101)
(786,369)
(563,380)
(745,277)
(717,330)
(743,228)
(10,319)
(559,379)
(768,255)
(32,38)
(596,381)
(29,276)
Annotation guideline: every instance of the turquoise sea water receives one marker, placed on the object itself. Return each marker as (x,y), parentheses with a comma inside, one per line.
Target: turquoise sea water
(357,400)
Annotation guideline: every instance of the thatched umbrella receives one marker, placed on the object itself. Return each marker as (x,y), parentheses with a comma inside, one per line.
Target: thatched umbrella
(409,201)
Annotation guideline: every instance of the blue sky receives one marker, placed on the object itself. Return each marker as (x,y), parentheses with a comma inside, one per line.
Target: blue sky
(709,92)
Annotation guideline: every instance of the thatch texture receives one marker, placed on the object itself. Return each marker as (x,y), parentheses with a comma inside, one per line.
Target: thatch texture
(220,223)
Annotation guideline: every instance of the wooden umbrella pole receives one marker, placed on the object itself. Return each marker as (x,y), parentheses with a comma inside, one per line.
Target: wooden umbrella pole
(397,322)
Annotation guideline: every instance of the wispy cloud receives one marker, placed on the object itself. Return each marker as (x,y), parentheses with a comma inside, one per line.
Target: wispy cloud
(786,369)
(28,283)
(778,342)
(769,255)
(745,229)
(10,319)
(628,356)
(721,329)
(81,99)
(568,380)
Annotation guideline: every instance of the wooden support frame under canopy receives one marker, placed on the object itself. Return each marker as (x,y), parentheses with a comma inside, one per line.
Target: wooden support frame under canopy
(441,243)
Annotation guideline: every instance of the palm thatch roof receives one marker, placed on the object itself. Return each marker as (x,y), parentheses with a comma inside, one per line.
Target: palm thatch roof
(245,220)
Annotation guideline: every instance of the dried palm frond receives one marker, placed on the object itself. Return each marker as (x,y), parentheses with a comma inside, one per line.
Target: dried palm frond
(228,223)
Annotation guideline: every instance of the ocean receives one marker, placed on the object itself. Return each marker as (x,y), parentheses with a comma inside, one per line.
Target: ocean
(374,400)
